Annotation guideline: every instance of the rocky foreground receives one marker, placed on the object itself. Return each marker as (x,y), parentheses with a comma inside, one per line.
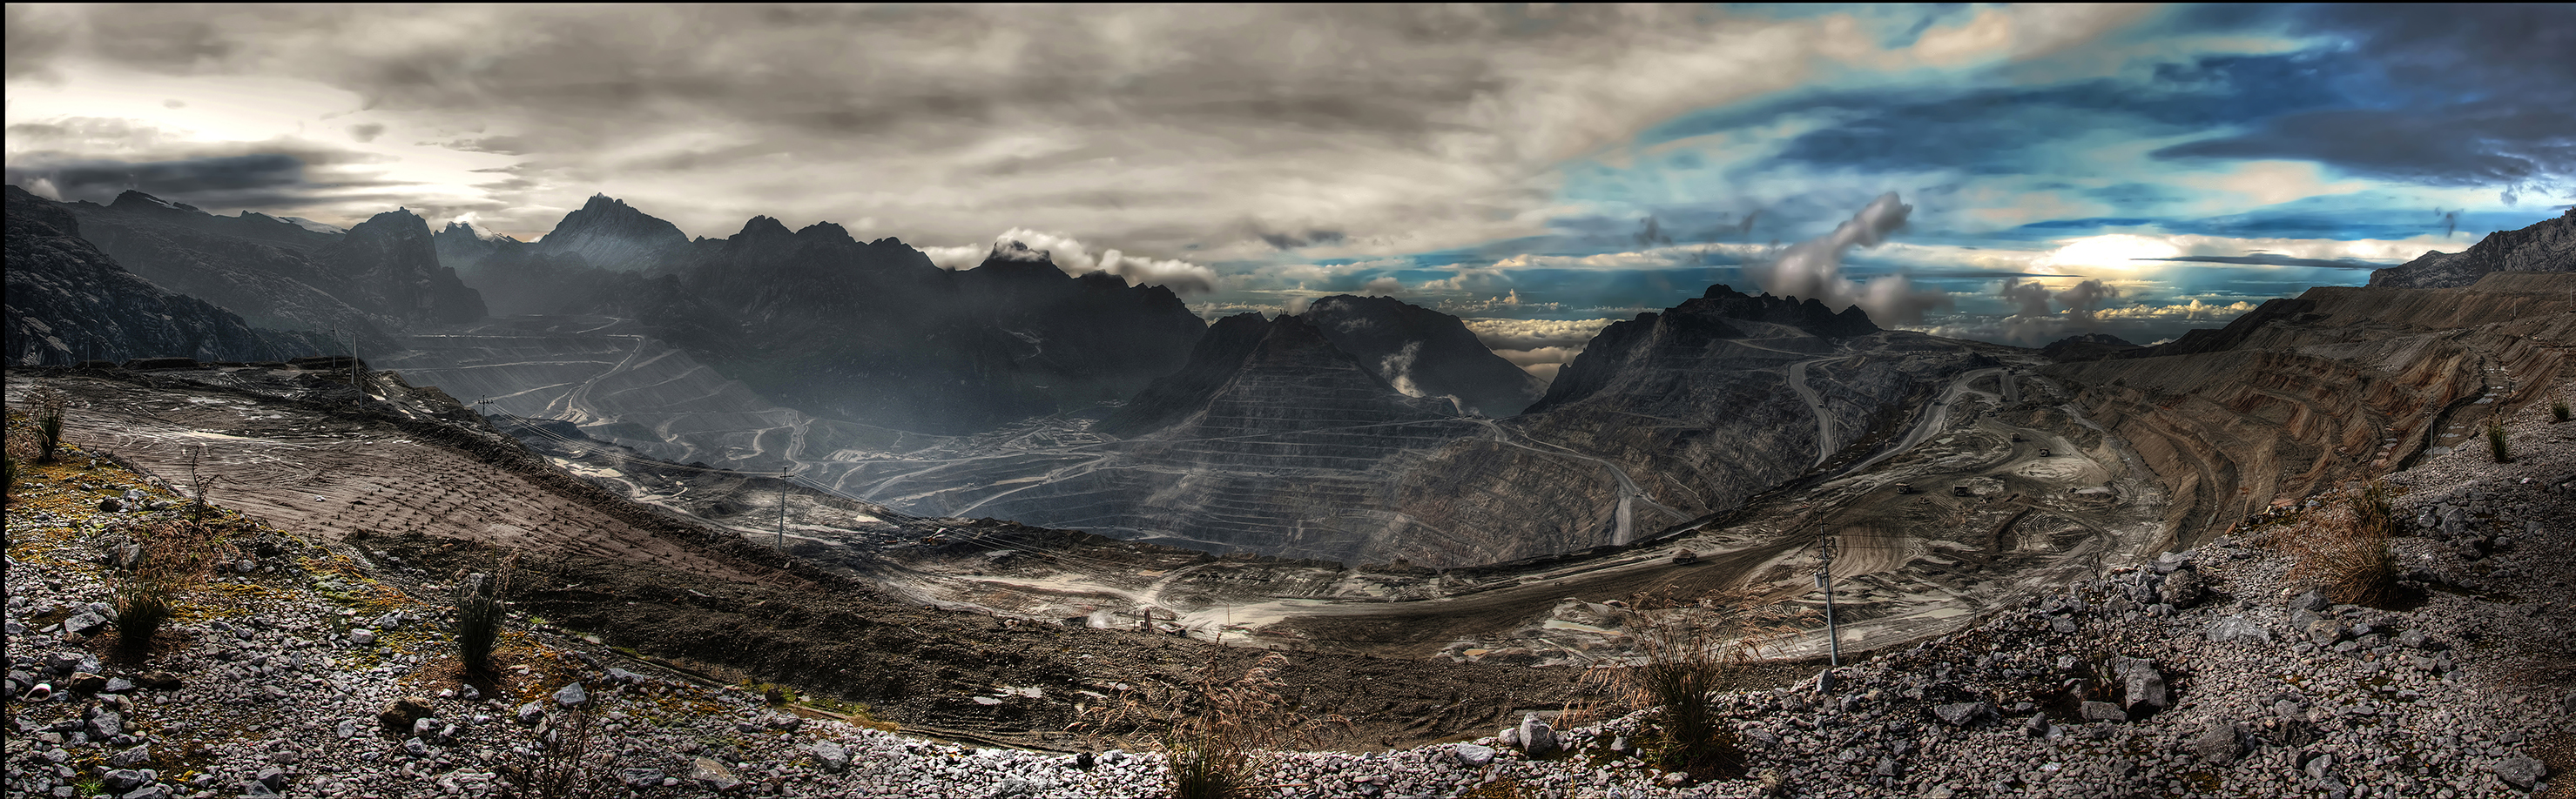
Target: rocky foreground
(306,668)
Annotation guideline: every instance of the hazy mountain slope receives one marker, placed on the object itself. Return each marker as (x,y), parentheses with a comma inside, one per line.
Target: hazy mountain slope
(1424,353)
(609,234)
(68,302)
(379,277)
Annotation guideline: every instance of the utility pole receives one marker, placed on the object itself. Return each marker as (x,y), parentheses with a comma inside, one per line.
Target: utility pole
(1825,580)
(782,509)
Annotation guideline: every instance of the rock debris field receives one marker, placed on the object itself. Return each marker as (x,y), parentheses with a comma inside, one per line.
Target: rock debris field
(296,672)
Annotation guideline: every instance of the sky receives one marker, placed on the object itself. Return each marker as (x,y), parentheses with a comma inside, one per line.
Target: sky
(2006,173)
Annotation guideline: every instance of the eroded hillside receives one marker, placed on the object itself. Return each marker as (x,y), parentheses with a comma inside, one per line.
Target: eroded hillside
(2336,384)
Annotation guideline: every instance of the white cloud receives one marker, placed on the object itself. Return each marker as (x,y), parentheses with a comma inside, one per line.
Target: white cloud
(1536,334)
(1075,258)
(1813,269)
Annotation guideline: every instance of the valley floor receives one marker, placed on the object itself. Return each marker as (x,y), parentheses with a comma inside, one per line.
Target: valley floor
(283,662)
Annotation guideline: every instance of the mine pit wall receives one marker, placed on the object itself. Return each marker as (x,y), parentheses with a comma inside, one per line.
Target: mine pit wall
(2312,401)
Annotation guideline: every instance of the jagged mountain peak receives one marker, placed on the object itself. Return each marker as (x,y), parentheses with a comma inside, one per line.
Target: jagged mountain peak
(608,233)
(763,227)
(1808,314)
(131,200)
(2546,246)
(469,231)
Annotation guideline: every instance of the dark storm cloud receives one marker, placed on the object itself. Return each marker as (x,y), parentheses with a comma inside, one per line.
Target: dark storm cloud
(366,131)
(275,174)
(2473,94)
(949,120)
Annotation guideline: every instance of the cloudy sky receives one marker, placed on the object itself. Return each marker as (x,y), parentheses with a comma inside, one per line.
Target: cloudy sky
(2013,173)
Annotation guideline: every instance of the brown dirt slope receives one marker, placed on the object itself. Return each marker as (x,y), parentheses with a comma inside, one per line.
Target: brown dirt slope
(2339,383)
(412,478)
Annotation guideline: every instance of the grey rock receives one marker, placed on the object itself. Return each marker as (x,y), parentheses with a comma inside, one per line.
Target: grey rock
(2310,601)
(1962,714)
(348,728)
(2103,711)
(106,723)
(2326,632)
(571,694)
(122,780)
(831,756)
(153,791)
(2218,744)
(2237,628)
(1472,756)
(129,758)
(531,713)
(2183,588)
(415,747)
(640,777)
(708,772)
(1537,738)
(85,623)
(362,636)
(2146,686)
(251,789)
(1888,768)
(2520,772)
(273,777)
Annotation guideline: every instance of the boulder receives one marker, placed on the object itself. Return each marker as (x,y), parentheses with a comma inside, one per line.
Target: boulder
(2219,744)
(2326,632)
(2520,772)
(2103,711)
(2145,686)
(1962,714)
(571,694)
(1472,756)
(831,756)
(2310,601)
(85,623)
(706,771)
(399,715)
(2183,588)
(1537,738)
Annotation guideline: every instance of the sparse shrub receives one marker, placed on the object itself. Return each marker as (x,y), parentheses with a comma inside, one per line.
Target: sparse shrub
(2495,441)
(173,557)
(1689,650)
(49,424)
(2558,409)
(1217,734)
(479,610)
(8,477)
(2345,551)
(197,483)
(560,762)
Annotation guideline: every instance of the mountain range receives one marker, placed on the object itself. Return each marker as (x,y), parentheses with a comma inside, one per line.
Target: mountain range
(1363,429)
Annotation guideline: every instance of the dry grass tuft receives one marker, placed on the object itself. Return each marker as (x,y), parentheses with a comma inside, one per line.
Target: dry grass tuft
(49,424)
(173,557)
(2344,551)
(1219,734)
(2495,442)
(478,615)
(1689,650)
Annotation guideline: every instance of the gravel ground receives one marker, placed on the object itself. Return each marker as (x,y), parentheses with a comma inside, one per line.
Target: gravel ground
(2206,673)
